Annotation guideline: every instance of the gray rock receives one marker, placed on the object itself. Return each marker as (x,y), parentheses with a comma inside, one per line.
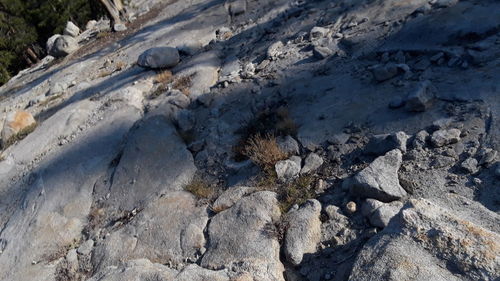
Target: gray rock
(86,247)
(119,27)
(304,231)
(445,137)
(378,213)
(380,179)
(381,144)
(421,98)
(497,171)
(227,199)
(236,7)
(57,88)
(385,72)
(71,29)
(397,102)
(90,24)
(470,165)
(247,221)
(185,120)
(443,123)
(288,145)
(287,169)
(427,242)
(488,156)
(318,32)
(140,269)
(50,42)
(159,57)
(275,50)
(169,229)
(420,139)
(155,160)
(62,46)
(312,162)
(321,52)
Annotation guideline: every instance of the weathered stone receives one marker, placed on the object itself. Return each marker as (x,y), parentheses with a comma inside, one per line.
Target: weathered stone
(381,144)
(304,231)
(185,120)
(155,160)
(287,169)
(50,42)
(421,98)
(71,29)
(427,242)
(86,247)
(385,72)
(159,57)
(322,52)
(351,207)
(119,27)
(470,165)
(140,269)
(288,145)
(246,221)
(63,45)
(380,179)
(15,123)
(169,229)
(378,213)
(445,137)
(90,24)
(57,88)
(488,156)
(318,32)
(230,197)
(312,162)
(275,50)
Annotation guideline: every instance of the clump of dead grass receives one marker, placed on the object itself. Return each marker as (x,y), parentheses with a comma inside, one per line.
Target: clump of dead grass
(263,150)
(183,84)
(163,77)
(200,189)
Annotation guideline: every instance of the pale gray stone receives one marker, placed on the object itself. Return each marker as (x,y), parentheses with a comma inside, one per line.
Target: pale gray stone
(303,232)
(239,237)
(380,179)
(155,160)
(62,46)
(287,169)
(288,145)
(230,197)
(381,144)
(312,162)
(421,98)
(71,29)
(445,137)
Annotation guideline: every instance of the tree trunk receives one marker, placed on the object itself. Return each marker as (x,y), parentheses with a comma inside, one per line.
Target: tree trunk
(114,8)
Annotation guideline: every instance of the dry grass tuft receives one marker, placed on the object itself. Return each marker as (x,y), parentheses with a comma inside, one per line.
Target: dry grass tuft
(120,65)
(200,189)
(263,151)
(164,77)
(183,84)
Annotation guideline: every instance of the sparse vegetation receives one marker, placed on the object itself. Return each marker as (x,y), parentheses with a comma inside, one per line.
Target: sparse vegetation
(200,189)
(61,251)
(164,77)
(274,121)
(182,84)
(96,219)
(263,151)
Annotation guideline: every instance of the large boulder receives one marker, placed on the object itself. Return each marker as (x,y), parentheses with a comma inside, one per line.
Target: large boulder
(170,230)
(63,45)
(427,242)
(380,214)
(241,237)
(304,231)
(380,179)
(155,160)
(159,57)
(230,197)
(16,122)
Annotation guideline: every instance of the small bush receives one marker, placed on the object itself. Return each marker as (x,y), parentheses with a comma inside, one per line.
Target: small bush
(263,151)
(200,189)
(296,192)
(164,77)
(182,84)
